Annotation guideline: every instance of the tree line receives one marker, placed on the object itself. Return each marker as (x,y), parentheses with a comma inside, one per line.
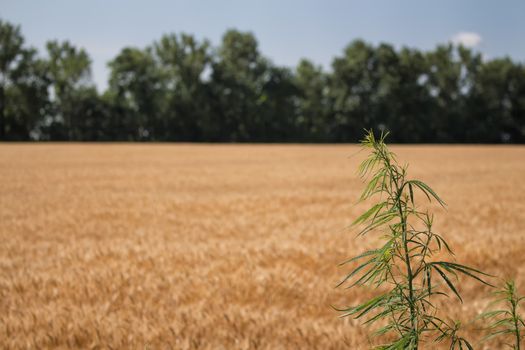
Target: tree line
(183,89)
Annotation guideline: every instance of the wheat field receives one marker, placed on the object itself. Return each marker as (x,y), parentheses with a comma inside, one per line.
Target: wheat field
(160,246)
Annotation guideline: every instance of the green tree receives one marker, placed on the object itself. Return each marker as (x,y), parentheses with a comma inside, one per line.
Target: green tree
(496,105)
(407,102)
(236,82)
(94,116)
(27,104)
(135,88)
(312,114)
(185,108)
(23,86)
(451,72)
(183,89)
(353,86)
(277,104)
(69,71)
(11,42)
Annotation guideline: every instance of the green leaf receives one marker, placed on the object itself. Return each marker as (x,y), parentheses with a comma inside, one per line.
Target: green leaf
(355,271)
(369,275)
(411,193)
(464,270)
(467,344)
(365,254)
(495,334)
(384,330)
(379,221)
(363,308)
(374,210)
(427,191)
(447,281)
(504,322)
(441,241)
(490,314)
(429,279)
(371,187)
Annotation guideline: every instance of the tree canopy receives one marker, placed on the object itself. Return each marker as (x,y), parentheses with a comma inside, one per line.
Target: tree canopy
(180,88)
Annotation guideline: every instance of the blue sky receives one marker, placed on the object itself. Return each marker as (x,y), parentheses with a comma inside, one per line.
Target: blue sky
(287,30)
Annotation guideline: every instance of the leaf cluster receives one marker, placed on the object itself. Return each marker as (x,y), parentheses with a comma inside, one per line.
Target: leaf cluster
(506,320)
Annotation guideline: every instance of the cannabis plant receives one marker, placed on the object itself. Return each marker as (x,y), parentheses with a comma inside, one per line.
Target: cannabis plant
(506,322)
(403,268)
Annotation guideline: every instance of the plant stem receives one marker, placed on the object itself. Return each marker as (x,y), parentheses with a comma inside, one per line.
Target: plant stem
(413,315)
(516,326)
(410,276)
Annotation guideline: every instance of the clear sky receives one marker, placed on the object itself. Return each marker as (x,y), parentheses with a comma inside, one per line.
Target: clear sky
(287,30)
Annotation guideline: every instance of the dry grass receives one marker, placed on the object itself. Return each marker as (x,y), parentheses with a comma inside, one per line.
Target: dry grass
(220,247)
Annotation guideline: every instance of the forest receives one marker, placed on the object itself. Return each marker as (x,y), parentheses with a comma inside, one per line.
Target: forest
(183,89)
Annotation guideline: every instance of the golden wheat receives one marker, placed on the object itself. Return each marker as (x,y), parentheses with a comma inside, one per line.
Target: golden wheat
(222,246)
